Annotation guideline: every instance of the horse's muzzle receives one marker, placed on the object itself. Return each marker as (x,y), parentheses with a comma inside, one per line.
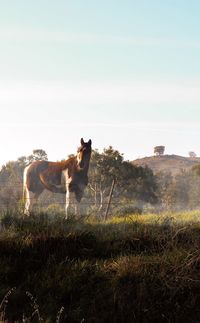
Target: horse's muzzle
(81,165)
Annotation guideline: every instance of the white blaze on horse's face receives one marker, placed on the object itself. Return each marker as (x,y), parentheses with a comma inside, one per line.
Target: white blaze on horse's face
(80,158)
(84,153)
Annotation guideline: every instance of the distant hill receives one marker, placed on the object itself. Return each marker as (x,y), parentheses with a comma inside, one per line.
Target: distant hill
(167,163)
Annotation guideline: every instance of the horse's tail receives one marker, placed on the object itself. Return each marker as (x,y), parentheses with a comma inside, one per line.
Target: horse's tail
(52,187)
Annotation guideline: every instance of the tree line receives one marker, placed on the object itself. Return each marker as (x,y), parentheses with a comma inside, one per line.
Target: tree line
(136,188)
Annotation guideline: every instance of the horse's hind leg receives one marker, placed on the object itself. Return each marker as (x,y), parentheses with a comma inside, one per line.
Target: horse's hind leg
(30,200)
(27,201)
(35,199)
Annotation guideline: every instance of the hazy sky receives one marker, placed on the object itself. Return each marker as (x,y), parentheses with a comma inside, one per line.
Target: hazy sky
(123,73)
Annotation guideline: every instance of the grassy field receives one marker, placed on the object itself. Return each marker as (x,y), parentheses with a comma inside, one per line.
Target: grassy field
(142,268)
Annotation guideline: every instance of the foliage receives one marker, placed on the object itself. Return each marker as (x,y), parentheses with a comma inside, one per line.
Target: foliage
(192,154)
(196,169)
(38,154)
(159,150)
(132,183)
(179,192)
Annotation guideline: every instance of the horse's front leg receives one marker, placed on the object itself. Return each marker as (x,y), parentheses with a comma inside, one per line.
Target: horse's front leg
(67,204)
(77,209)
(70,206)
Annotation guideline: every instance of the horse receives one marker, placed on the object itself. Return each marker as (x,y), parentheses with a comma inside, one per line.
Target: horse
(69,177)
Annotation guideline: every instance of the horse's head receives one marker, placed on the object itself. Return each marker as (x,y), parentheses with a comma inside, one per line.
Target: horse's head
(84,154)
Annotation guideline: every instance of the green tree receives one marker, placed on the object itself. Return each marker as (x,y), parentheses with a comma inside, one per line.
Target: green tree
(165,191)
(38,154)
(132,183)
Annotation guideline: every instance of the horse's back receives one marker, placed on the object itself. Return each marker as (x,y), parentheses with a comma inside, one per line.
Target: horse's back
(43,174)
(32,175)
(35,168)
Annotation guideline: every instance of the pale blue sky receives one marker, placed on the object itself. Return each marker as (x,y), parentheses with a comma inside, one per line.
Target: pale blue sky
(123,73)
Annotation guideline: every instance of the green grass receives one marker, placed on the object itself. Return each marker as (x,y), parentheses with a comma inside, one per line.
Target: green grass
(175,218)
(142,268)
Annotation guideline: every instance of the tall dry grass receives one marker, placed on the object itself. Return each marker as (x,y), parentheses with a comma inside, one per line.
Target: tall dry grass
(142,268)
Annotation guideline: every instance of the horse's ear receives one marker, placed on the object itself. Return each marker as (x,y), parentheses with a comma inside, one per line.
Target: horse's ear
(90,142)
(82,141)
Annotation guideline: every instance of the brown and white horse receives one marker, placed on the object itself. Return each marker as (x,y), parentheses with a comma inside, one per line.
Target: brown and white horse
(68,177)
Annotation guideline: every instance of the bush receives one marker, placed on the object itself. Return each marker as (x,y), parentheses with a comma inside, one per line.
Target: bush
(127,210)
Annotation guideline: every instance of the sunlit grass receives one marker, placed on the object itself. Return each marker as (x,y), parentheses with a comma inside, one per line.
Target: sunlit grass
(166,218)
(138,268)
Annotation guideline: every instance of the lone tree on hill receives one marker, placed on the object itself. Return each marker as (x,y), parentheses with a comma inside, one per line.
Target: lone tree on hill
(192,154)
(159,150)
